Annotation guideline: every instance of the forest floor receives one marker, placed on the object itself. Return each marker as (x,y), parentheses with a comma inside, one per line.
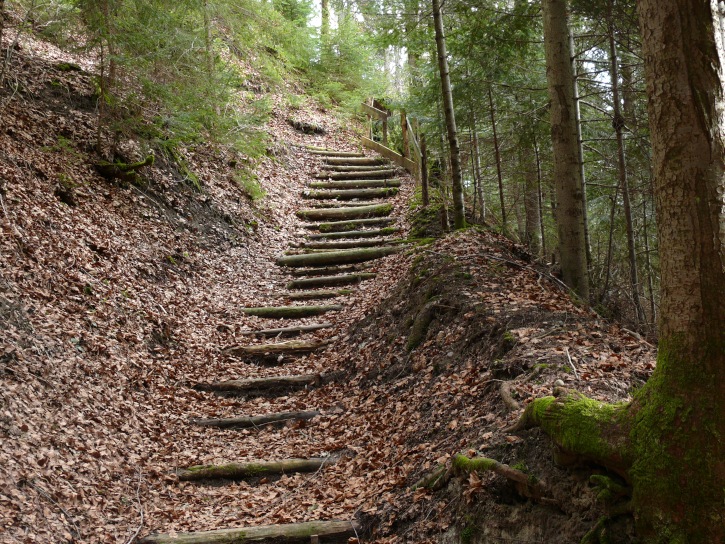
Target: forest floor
(115,300)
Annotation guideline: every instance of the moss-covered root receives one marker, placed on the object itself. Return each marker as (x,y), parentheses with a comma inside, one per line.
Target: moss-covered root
(526,485)
(236,471)
(419,329)
(583,429)
(121,170)
(434,480)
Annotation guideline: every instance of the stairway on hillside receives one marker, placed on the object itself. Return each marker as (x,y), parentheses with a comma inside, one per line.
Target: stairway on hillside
(350,224)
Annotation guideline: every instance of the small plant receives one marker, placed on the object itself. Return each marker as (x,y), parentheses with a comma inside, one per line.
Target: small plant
(249,185)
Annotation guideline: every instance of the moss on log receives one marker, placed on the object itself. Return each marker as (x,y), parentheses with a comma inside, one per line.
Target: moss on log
(246,422)
(347,244)
(356,161)
(330,153)
(363,174)
(287,331)
(292,347)
(329,270)
(357,212)
(261,385)
(351,194)
(256,469)
(355,184)
(374,233)
(330,281)
(291,312)
(121,170)
(353,168)
(332,532)
(318,294)
(350,256)
(352,224)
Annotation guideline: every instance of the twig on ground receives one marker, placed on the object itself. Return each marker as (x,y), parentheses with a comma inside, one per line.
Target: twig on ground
(140,510)
(571,364)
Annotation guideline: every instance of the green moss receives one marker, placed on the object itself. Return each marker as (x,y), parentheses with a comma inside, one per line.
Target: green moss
(466,464)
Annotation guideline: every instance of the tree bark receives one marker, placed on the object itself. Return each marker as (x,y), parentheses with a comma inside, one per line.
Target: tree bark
(374,233)
(246,422)
(254,469)
(351,194)
(362,174)
(261,385)
(477,168)
(358,212)
(351,256)
(292,347)
(287,331)
(497,153)
(290,312)
(679,476)
(355,184)
(459,216)
(356,161)
(352,224)
(531,203)
(569,211)
(424,171)
(330,281)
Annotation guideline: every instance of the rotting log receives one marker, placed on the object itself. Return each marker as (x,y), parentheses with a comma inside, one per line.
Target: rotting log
(356,161)
(291,347)
(355,234)
(261,385)
(318,294)
(330,281)
(287,331)
(351,194)
(364,174)
(346,244)
(291,312)
(357,212)
(352,224)
(245,422)
(332,532)
(350,256)
(255,469)
(335,153)
(355,184)
(328,270)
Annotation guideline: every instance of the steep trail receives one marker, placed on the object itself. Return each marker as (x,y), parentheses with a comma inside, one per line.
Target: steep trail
(330,262)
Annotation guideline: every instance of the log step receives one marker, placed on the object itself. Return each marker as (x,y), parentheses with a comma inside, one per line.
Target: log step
(261,386)
(291,347)
(355,234)
(330,153)
(255,469)
(329,204)
(332,532)
(350,256)
(288,331)
(353,168)
(327,270)
(351,224)
(351,194)
(355,184)
(346,244)
(318,294)
(358,212)
(246,422)
(291,312)
(356,161)
(330,281)
(364,174)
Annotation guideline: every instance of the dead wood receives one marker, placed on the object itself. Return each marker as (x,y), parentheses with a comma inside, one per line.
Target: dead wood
(346,244)
(292,347)
(356,161)
(328,270)
(291,312)
(287,331)
(238,471)
(293,533)
(330,281)
(373,233)
(357,212)
(355,184)
(246,422)
(351,194)
(350,256)
(261,385)
(363,174)
(318,294)
(340,226)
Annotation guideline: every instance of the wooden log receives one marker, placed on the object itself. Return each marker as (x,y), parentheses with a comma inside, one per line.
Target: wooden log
(261,385)
(354,234)
(246,422)
(239,471)
(355,184)
(330,281)
(291,312)
(336,153)
(345,244)
(318,294)
(358,212)
(365,174)
(351,224)
(353,168)
(288,331)
(351,194)
(328,270)
(350,256)
(292,347)
(330,204)
(329,532)
(356,161)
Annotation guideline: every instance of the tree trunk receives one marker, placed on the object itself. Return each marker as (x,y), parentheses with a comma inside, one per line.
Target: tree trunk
(497,152)
(679,476)
(531,203)
(424,171)
(567,173)
(540,197)
(477,168)
(459,216)
(618,124)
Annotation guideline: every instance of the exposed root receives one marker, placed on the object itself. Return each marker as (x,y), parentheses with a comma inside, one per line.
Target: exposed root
(508,398)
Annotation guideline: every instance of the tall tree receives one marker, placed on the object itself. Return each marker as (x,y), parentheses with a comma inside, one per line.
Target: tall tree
(459,217)
(669,442)
(567,173)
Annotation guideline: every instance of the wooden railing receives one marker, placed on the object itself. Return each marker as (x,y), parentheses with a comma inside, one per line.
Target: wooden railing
(377,113)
